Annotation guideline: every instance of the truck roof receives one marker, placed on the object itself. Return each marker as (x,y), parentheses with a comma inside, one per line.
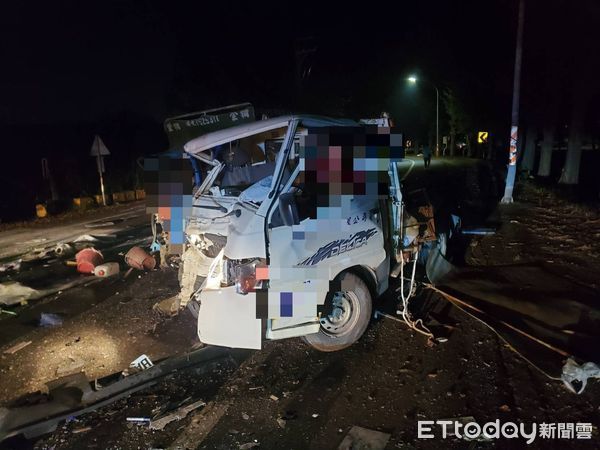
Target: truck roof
(219,137)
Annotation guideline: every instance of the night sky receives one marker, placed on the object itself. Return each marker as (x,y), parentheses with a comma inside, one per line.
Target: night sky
(119,68)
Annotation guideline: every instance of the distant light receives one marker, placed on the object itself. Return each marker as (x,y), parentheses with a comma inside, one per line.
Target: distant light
(412,79)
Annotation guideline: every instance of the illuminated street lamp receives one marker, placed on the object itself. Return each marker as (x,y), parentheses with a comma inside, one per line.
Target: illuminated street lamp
(413,80)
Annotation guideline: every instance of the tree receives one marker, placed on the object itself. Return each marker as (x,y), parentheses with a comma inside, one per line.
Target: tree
(570,172)
(458,118)
(529,149)
(546,150)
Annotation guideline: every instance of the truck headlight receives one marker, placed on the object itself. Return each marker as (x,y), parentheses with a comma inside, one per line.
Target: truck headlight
(245,276)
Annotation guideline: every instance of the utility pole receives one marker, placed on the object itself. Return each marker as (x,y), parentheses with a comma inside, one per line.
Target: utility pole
(514,128)
(437,122)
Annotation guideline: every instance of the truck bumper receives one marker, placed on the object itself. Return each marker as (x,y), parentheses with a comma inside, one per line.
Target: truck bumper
(228,319)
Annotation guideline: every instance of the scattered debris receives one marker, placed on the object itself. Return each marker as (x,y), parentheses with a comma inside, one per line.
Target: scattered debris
(50,320)
(140,420)
(73,396)
(87,260)
(81,430)
(142,362)
(168,306)
(574,373)
(15,348)
(245,416)
(249,445)
(8,267)
(14,293)
(274,397)
(315,415)
(363,438)
(137,258)
(504,408)
(160,422)
(281,422)
(6,311)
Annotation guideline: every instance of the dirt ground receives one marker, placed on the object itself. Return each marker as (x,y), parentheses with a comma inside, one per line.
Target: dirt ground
(289,396)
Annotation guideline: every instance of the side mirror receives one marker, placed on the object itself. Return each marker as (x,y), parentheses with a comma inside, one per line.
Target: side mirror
(288,210)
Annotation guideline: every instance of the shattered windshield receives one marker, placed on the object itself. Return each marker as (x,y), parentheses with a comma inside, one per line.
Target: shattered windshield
(245,162)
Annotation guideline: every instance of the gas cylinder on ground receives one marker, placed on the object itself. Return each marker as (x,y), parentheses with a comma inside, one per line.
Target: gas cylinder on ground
(87,260)
(107,270)
(139,259)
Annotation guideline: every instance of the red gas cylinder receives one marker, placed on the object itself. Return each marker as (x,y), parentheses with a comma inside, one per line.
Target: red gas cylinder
(139,259)
(87,259)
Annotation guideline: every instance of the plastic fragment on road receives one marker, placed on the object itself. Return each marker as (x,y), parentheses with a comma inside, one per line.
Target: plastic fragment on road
(359,437)
(160,422)
(142,362)
(50,320)
(15,348)
(14,293)
(573,372)
(137,258)
(107,269)
(87,260)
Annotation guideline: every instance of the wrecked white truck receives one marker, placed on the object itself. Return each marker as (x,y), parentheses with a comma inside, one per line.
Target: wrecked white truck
(298,224)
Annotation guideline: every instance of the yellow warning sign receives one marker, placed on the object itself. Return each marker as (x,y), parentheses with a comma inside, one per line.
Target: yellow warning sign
(482,137)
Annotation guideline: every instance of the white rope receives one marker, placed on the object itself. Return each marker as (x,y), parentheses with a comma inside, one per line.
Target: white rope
(416,325)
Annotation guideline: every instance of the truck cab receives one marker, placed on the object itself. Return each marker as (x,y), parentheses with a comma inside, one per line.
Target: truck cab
(300,237)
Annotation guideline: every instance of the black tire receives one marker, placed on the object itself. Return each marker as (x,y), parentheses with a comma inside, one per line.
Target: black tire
(355,294)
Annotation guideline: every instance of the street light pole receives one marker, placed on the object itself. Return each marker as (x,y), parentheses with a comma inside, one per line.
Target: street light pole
(437,121)
(413,80)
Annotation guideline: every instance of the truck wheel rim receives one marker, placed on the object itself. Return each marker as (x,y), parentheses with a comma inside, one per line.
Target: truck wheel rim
(344,314)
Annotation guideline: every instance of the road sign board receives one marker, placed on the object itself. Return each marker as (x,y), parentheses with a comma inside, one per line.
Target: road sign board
(482,137)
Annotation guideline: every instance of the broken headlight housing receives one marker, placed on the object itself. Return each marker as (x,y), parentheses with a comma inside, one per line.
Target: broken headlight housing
(242,273)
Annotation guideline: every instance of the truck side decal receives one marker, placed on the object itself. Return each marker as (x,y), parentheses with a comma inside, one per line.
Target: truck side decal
(340,246)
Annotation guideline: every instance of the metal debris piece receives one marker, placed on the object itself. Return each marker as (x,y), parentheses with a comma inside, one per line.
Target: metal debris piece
(180,413)
(15,348)
(64,250)
(139,419)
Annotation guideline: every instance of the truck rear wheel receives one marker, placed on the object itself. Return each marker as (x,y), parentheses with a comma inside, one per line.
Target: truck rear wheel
(347,314)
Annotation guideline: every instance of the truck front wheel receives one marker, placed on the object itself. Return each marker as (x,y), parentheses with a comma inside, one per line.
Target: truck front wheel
(346,315)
